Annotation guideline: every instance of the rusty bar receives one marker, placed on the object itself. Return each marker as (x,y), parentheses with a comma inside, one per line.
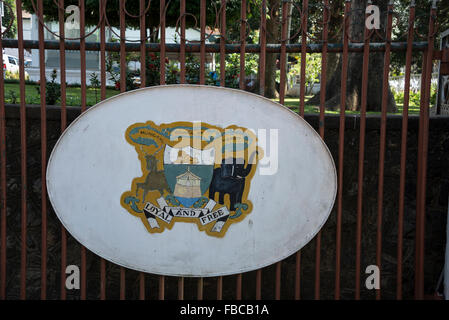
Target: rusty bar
(341,146)
(223,84)
(422,154)
(180,288)
(383,129)
(302,85)
(262,55)
(302,90)
(283,75)
(298,276)
(162,41)
(418,46)
(202,81)
(62,71)
(43,154)
(23,156)
(419,179)
(123,71)
(238,288)
(219,288)
(242,77)
(262,61)
(3,181)
(283,56)
(242,80)
(408,67)
(102,97)
(361,160)
(199,291)
(182,52)
(182,58)
(83,108)
(203,41)
(277,289)
(223,43)
(161,293)
(143,34)
(321,131)
(83,56)
(419,175)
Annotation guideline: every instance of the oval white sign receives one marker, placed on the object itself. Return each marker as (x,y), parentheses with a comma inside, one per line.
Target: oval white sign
(188,180)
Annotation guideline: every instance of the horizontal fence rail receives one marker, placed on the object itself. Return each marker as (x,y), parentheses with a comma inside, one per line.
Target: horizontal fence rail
(371,224)
(214,48)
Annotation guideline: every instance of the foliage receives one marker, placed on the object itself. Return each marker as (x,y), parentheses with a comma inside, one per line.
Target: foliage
(313,69)
(233,67)
(152,15)
(52,89)
(12,96)
(95,84)
(10,14)
(415,97)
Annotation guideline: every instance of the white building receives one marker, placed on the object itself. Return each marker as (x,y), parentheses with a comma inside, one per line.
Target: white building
(73,62)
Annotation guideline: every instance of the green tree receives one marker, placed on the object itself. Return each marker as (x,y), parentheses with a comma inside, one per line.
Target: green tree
(9,18)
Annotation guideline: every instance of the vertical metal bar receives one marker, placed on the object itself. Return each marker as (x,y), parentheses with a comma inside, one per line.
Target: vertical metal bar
(242,82)
(102,97)
(383,129)
(222,43)
(162,81)
(419,175)
(143,35)
(242,78)
(408,67)
(424,134)
(203,41)
(263,54)
(238,287)
(83,108)
(180,288)
(298,276)
(283,56)
(3,180)
(283,71)
(341,146)
(182,53)
(219,288)
(321,131)
(123,71)
(23,155)
(199,291)
(302,94)
(302,85)
(361,159)
(202,81)
(162,42)
(43,153)
(223,84)
(161,287)
(182,58)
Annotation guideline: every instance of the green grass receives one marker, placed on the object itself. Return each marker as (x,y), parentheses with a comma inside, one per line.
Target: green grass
(73,98)
(73,94)
(293,104)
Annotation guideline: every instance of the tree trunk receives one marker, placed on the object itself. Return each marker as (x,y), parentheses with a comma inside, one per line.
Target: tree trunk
(355,66)
(270,64)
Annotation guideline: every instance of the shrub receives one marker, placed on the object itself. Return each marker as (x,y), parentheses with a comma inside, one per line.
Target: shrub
(52,89)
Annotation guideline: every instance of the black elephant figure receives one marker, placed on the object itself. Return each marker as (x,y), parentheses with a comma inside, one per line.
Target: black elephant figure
(229,178)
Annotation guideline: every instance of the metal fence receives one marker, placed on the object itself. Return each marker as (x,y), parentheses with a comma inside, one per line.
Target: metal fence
(309,43)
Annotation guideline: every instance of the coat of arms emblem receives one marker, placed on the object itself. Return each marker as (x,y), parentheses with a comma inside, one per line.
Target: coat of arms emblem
(192,172)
